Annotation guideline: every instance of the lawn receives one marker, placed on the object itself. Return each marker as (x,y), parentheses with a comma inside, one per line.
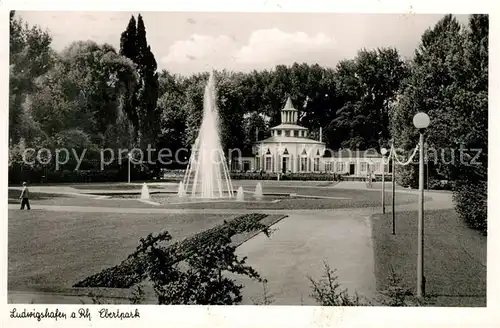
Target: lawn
(50,251)
(114,186)
(13,196)
(355,199)
(454,257)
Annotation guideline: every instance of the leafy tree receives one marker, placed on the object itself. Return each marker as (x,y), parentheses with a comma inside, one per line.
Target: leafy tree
(173,112)
(30,58)
(85,90)
(432,88)
(229,93)
(254,122)
(366,86)
(193,106)
(448,82)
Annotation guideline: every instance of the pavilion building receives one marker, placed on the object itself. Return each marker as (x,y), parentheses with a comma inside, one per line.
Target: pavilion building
(290,150)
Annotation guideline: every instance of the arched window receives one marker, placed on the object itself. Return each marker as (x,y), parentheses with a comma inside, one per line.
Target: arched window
(303,161)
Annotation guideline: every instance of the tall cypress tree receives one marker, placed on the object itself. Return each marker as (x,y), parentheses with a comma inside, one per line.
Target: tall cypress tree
(144,114)
(128,49)
(148,92)
(128,40)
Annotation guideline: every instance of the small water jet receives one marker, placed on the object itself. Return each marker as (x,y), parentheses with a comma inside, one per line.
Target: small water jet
(144,192)
(207,174)
(239,194)
(181,192)
(258,191)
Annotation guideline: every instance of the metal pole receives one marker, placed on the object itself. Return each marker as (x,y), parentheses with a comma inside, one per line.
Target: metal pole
(383,184)
(129,169)
(393,196)
(420,256)
(427,164)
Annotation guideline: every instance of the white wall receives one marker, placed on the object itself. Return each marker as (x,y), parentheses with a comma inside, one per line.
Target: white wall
(360,169)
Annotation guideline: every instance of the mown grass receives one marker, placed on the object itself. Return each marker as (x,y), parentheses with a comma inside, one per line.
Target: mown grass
(53,250)
(454,257)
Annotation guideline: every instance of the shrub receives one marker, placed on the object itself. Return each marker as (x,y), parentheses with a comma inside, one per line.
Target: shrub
(407,176)
(396,294)
(436,184)
(327,291)
(203,281)
(470,198)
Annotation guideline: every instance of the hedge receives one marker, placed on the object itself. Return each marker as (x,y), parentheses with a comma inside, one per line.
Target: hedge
(470,200)
(18,175)
(323,176)
(133,270)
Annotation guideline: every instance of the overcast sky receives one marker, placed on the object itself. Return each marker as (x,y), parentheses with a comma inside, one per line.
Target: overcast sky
(192,42)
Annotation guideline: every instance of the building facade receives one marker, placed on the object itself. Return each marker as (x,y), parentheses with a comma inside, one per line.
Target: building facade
(290,150)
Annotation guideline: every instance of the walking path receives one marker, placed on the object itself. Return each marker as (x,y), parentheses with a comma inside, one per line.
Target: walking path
(301,245)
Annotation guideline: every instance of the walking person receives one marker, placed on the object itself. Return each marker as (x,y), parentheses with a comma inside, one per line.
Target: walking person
(25,195)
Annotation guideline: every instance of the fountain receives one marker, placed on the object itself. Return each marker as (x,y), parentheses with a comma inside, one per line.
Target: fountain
(144,192)
(258,192)
(207,174)
(180,191)
(239,194)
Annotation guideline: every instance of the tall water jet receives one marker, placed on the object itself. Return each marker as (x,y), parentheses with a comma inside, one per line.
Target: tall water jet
(181,192)
(239,194)
(144,192)
(207,174)
(258,192)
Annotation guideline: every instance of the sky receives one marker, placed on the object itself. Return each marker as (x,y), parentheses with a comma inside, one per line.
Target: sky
(188,42)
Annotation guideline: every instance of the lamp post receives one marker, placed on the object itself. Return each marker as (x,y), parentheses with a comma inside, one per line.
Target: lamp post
(427,169)
(421,122)
(393,180)
(129,158)
(383,151)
